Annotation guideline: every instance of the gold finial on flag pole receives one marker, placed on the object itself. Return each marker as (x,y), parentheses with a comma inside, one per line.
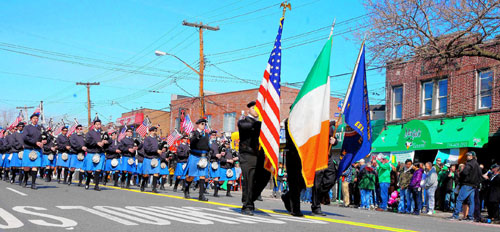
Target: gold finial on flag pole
(285,5)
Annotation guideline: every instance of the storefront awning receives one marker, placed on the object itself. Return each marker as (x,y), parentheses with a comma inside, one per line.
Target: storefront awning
(434,134)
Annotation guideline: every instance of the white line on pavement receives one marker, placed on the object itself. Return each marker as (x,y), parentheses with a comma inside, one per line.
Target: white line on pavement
(20,193)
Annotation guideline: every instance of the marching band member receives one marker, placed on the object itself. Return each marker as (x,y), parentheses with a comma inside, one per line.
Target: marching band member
(63,147)
(4,149)
(15,158)
(94,160)
(197,165)
(214,161)
(48,151)
(128,149)
(226,170)
(112,159)
(151,163)
(32,160)
(76,155)
(182,156)
(164,164)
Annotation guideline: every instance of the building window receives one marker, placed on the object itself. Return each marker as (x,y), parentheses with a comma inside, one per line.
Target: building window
(435,97)
(177,123)
(485,89)
(397,105)
(442,95)
(209,119)
(427,92)
(229,121)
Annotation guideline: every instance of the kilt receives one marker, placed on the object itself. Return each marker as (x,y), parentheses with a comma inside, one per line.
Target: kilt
(61,163)
(32,163)
(164,171)
(125,167)
(15,162)
(2,158)
(108,167)
(223,176)
(213,173)
(147,169)
(74,162)
(46,162)
(179,171)
(192,168)
(88,165)
(139,168)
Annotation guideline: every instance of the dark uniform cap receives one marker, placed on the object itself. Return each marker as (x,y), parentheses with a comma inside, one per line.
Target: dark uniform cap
(20,124)
(79,125)
(201,120)
(35,115)
(153,128)
(97,120)
(250,104)
(213,132)
(472,153)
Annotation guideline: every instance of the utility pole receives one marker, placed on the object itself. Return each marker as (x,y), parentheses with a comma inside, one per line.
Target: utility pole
(25,109)
(201,27)
(88,84)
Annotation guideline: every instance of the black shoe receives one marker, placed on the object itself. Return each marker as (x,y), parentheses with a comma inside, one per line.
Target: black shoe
(318,213)
(58,181)
(259,198)
(154,190)
(216,195)
(12,181)
(79,184)
(229,195)
(297,214)
(248,212)
(23,184)
(69,183)
(87,186)
(33,186)
(286,202)
(96,188)
(202,198)
(65,182)
(186,195)
(162,187)
(175,190)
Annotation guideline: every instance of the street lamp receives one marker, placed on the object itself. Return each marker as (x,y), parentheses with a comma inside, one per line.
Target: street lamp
(200,73)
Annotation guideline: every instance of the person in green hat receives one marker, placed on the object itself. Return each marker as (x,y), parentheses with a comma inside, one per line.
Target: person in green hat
(384,169)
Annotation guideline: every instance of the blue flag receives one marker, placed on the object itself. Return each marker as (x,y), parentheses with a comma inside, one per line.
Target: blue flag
(357,142)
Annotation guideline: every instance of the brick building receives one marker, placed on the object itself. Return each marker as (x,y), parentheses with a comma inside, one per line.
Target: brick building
(223,110)
(432,90)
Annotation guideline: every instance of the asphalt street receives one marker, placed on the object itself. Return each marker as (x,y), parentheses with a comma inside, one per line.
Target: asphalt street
(57,207)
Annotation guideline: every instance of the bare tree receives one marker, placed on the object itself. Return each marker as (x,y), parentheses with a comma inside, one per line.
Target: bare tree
(423,29)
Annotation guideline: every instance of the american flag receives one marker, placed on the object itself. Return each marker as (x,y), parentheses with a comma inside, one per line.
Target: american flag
(122,133)
(143,128)
(58,129)
(187,125)
(72,128)
(268,105)
(174,136)
(18,119)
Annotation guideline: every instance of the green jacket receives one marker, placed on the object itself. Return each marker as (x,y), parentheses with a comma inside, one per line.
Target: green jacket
(384,172)
(367,179)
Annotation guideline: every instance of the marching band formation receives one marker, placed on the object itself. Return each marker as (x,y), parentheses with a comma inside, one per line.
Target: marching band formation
(98,156)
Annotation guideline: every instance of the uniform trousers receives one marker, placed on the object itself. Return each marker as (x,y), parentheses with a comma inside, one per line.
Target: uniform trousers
(255,178)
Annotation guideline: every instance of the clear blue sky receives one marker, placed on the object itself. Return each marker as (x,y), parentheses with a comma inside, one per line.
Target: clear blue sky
(53,44)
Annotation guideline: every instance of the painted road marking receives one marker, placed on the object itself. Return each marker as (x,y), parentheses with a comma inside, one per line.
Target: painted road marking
(338,221)
(20,193)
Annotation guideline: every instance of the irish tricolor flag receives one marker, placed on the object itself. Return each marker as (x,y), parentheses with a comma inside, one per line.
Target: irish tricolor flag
(308,123)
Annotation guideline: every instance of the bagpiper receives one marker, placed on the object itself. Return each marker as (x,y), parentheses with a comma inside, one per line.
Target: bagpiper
(128,162)
(32,154)
(197,165)
(182,155)
(112,158)
(94,160)
(151,163)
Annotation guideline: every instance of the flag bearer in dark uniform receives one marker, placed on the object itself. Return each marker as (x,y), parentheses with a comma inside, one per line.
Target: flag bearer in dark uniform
(94,160)
(76,155)
(197,165)
(112,158)
(128,149)
(49,157)
(324,180)
(17,148)
(214,162)
(32,154)
(165,158)
(182,156)
(255,177)
(226,170)
(63,147)
(151,163)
